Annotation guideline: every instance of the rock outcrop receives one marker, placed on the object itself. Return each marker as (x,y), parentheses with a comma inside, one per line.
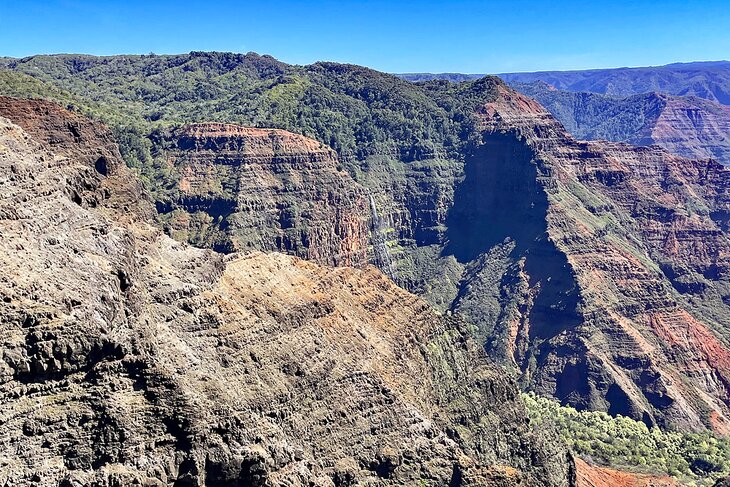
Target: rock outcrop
(130,358)
(245,188)
(99,178)
(616,299)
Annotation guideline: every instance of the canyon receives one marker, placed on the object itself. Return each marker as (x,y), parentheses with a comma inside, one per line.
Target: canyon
(597,271)
(131,358)
(447,232)
(684,125)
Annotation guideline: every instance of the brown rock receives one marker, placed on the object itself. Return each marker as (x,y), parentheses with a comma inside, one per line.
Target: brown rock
(266,189)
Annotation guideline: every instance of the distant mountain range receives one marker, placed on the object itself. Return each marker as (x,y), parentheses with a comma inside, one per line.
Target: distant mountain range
(683,107)
(707,79)
(685,125)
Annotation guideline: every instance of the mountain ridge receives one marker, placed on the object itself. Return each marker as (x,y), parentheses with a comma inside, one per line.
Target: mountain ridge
(130,358)
(687,126)
(706,79)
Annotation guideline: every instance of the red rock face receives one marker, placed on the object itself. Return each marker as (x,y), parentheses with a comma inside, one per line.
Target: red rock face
(645,245)
(690,127)
(593,476)
(266,189)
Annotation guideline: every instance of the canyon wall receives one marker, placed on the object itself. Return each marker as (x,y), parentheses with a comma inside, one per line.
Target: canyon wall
(623,306)
(241,188)
(598,271)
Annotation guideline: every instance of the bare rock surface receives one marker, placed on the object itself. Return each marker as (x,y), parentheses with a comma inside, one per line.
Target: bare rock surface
(617,299)
(267,189)
(594,476)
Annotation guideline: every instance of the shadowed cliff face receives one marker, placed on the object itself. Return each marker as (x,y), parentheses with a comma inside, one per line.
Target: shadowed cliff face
(648,262)
(501,201)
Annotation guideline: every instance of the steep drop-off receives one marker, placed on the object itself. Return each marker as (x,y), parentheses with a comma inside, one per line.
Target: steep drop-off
(130,358)
(608,288)
(266,189)
(640,262)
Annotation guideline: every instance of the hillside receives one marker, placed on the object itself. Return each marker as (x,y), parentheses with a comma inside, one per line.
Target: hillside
(598,272)
(687,126)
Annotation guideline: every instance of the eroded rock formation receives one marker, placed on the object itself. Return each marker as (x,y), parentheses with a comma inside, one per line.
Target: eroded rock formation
(267,189)
(595,476)
(622,308)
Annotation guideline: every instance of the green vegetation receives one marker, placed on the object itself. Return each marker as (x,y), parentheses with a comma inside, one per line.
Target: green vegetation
(621,442)
(357,111)
(379,124)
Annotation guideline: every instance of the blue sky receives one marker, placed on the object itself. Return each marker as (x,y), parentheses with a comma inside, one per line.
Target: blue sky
(399,36)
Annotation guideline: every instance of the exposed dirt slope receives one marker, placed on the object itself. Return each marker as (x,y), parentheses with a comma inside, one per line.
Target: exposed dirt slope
(592,476)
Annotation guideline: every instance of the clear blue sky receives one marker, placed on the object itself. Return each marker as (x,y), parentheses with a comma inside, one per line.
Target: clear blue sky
(397,36)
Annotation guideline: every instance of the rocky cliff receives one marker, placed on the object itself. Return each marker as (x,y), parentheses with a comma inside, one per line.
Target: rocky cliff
(594,476)
(130,358)
(598,270)
(266,189)
(615,292)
